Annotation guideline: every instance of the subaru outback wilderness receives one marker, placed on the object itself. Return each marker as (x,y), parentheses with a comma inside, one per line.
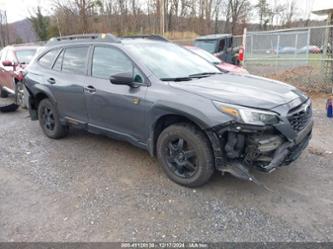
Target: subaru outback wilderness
(169,101)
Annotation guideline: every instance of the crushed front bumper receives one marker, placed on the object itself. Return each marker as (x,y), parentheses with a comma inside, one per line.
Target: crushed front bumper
(290,151)
(241,148)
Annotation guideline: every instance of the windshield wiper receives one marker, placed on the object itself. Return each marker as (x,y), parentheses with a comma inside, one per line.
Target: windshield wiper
(177,79)
(205,74)
(192,76)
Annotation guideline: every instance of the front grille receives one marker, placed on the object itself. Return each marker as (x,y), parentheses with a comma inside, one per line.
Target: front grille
(300,116)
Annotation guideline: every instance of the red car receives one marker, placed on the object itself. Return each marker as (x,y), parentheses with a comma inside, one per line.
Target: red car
(13,60)
(214,60)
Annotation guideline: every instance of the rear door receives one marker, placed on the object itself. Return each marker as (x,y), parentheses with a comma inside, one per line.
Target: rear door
(67,80)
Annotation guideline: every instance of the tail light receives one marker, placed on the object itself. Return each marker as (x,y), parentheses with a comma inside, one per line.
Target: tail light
(20,76)
(241,54)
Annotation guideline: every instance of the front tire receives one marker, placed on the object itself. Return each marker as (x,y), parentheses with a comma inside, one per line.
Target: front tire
(185,154)
(49,120)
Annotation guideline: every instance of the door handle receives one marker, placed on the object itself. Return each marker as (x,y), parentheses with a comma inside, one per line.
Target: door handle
(52,81)
(90,89)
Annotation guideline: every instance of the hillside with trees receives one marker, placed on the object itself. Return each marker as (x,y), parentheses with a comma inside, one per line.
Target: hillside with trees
(182,18)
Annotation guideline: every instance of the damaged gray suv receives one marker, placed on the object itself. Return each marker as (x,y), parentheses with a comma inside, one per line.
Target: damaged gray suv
(160,97)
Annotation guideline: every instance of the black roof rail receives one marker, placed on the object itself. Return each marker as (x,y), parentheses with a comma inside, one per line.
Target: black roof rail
(79,37)
(149,37)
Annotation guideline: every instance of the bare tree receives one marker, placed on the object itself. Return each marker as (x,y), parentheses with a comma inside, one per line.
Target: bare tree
(134,16)
(83,9)
(238,11)
(277,13)
(291,12)
(264,12)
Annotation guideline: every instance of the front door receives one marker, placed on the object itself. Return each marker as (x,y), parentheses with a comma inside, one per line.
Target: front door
(67,81)
(118,109)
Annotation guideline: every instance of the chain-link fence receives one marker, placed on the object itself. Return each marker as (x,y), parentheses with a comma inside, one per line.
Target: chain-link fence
(302,56)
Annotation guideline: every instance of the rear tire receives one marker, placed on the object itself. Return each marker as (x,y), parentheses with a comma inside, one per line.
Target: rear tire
(185,154)
(3,93)
(49,120)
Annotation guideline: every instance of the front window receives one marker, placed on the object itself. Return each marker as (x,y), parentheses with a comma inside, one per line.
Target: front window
(208,45)
(169,61)
(109,61)
(25,56)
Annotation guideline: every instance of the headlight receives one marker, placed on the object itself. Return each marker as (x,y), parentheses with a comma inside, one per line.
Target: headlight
(248,115)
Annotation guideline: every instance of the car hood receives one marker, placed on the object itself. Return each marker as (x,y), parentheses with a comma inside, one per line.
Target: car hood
(245,90)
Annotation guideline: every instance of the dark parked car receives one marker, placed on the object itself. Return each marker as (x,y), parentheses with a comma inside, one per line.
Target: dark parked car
(171,102)
(221,45)
(227,67)
(214,43)
(13,60)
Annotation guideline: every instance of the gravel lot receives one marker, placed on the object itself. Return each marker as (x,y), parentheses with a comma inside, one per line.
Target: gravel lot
(91,188)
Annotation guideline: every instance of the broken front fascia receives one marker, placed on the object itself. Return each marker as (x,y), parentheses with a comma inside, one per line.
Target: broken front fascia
(239,148)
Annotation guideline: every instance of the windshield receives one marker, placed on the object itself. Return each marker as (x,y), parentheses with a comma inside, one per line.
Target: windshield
(25,56)
(207,56)
(167,60)
(208,45)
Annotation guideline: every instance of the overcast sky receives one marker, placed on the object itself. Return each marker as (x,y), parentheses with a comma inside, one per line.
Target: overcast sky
(20,9)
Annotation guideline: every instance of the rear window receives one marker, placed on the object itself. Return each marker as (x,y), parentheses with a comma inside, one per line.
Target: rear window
(4,54)
(25,56)
(47,59)
(74,60)
(208,45)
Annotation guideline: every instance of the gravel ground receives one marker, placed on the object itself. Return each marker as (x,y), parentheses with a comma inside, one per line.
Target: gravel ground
(91,188)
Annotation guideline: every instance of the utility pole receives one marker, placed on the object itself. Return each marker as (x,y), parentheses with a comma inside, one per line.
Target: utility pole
(58,25)
(162,16)
(6,28)
(4,31)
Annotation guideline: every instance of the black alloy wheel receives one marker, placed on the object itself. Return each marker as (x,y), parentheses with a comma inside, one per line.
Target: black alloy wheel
(185,154)
(49,120)
(181,158)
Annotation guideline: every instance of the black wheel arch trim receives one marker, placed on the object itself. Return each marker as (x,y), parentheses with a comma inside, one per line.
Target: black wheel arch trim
(164,111)
(38,89)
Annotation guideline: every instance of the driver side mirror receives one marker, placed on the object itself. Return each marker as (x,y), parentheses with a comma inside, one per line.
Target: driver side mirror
(122,79)
(7,63)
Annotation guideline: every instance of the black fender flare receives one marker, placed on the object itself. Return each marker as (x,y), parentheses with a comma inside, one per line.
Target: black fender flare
(42,89)
(159,111)
(33,98)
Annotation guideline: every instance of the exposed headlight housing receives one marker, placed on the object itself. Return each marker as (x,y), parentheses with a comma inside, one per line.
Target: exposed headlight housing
(248,115)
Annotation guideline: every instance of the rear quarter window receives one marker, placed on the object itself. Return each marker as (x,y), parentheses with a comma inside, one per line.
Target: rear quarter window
(58,64)
(47,59)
